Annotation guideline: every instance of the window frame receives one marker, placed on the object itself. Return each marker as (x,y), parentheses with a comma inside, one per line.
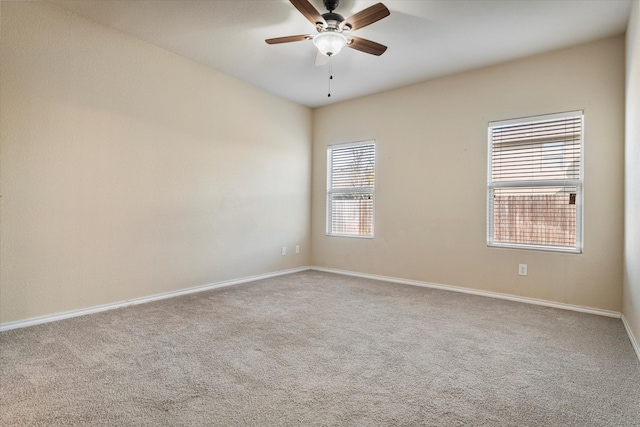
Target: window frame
(539,183)
(371,191)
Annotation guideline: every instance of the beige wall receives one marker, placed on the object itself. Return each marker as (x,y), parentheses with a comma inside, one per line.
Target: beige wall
(631,295)
(430,218)
(127,171)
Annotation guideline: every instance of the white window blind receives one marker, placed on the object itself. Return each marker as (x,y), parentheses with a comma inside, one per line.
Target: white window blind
(350,189)
(535,182)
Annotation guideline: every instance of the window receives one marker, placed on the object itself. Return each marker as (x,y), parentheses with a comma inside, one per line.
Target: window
(350,189)
(535,182)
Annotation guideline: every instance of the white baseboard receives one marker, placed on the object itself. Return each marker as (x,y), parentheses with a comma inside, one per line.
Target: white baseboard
(632,338)
(525,300)
(96,309)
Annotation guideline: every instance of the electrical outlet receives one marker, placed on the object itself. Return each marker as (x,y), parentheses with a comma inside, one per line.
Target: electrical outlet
(284,250)
(297,249)
(522,269)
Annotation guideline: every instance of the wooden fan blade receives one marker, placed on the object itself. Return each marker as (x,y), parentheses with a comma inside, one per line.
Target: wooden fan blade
(309,11)
(366,17)
(287,39)
(366,46)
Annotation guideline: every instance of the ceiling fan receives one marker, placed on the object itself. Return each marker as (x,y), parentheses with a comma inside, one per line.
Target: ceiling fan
(334,31)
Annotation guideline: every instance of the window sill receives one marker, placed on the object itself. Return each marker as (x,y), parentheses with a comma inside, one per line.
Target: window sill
(536,248)
(349,235)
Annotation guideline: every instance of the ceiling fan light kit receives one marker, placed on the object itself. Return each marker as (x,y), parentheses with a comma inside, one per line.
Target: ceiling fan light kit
(330,43)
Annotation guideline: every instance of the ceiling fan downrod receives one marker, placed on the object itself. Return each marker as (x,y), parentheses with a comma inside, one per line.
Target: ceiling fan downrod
(331,5)
(333,21)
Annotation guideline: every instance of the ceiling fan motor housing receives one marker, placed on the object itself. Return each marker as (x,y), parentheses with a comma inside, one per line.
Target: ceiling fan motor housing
(333,20)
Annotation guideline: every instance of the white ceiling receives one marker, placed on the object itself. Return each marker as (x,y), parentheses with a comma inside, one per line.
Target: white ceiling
(426,38)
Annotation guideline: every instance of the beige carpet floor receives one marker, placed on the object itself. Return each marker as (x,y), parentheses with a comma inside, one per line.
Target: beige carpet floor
(315,348)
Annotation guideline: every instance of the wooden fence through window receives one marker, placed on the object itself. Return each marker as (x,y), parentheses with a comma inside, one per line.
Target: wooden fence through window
(535,219)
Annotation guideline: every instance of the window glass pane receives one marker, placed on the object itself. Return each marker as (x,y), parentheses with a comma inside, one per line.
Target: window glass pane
(535,215)
(352,214)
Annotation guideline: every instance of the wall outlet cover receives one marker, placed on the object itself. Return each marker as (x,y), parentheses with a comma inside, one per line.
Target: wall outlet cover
(522,269)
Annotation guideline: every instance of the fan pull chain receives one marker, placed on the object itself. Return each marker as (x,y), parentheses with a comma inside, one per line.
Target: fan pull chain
(330,77)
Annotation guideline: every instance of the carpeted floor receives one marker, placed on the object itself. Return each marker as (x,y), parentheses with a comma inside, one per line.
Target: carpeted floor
(315,348)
